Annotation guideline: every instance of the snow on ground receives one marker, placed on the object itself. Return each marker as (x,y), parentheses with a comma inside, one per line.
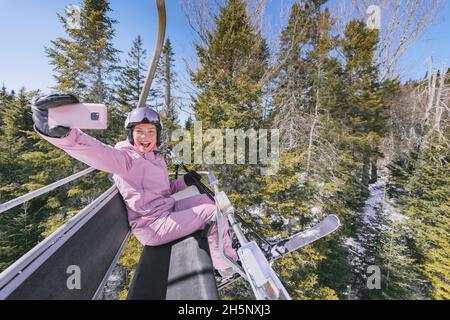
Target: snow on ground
(392,213)
(397,217)
(354,245)
(374,200)
(372,204)
(377,200)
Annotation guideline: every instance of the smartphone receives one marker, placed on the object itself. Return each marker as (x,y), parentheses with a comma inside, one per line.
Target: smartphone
(79,115)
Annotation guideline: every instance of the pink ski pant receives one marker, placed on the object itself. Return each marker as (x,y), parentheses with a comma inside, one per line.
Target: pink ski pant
(190,215)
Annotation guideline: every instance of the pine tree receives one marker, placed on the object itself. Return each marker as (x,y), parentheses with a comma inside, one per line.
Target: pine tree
(365,110)
(429,212)
(5,97)
(232,64)
(400,275)
(19,227)
(85,63)
(312,171)
(384,241)
(16,115)
(132,77)
(166,79)
(292,86)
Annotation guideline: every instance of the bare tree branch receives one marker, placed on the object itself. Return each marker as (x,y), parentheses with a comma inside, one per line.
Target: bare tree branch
(403,22)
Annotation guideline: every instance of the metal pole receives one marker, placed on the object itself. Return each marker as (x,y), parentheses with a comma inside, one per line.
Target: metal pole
(18,201)
(156,54)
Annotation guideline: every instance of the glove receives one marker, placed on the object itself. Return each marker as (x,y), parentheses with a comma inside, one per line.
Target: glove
(189,178)
(40,106)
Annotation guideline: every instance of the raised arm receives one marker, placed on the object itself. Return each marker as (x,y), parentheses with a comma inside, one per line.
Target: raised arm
(92,152)
(76,143)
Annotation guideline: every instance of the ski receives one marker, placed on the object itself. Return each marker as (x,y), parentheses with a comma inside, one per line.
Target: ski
(330,224)
(282,247)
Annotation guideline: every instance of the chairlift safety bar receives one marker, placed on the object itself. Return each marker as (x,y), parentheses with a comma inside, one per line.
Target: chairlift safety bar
(22,199)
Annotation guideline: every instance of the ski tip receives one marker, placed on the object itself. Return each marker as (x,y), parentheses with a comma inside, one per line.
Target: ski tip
(336,219)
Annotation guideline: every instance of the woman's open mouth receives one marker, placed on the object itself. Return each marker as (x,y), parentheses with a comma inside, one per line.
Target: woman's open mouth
(145,145)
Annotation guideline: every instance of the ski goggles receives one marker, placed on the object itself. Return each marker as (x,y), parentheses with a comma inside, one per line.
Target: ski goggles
(142,115)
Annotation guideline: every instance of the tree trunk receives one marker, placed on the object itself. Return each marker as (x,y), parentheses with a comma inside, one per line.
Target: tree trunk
(365,178)
(373,171)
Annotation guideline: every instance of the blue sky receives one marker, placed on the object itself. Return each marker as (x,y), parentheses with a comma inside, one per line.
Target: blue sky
(435,41)
(26,26)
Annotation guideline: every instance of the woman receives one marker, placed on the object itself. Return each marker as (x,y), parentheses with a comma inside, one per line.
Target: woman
(141,177)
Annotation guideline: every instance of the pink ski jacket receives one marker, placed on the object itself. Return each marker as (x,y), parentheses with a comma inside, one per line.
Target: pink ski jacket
(142,179)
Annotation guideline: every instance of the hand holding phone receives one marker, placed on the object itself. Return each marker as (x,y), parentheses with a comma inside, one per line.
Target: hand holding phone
(79,115)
